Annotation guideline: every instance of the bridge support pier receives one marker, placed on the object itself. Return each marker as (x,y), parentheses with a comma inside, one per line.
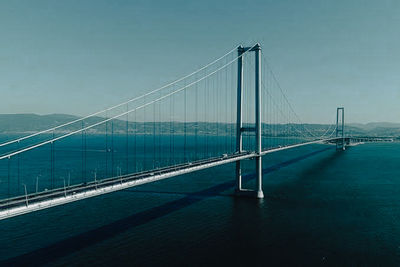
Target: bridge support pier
(258,193)
(238,177)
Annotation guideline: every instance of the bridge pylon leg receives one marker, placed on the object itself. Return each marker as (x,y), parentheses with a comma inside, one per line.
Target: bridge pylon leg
(239,122)
(258,105)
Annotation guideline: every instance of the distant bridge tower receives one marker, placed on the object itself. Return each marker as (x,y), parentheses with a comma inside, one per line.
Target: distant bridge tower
(239,123)
(340,144)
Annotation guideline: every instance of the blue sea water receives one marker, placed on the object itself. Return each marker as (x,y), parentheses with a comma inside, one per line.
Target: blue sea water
(321,207)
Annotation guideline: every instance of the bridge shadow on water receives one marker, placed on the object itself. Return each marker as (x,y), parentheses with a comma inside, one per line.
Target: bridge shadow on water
(73,244)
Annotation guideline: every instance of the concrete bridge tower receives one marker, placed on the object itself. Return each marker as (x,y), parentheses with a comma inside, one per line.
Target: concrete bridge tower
(258,193)
(340,144)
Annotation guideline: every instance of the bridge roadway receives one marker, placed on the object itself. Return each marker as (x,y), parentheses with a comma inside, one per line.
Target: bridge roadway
(42,200)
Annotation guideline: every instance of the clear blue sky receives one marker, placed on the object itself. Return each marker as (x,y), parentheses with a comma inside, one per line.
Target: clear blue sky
(76,57)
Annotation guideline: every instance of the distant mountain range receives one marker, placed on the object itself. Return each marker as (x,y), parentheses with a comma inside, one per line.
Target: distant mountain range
(28,123)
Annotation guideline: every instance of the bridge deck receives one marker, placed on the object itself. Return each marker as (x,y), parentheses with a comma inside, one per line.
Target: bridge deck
(32,202)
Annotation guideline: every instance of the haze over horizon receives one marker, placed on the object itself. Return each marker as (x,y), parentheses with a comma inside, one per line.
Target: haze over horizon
(79,57)
(78,116)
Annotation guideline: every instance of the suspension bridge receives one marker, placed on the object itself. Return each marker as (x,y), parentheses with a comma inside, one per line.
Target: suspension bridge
(228,111)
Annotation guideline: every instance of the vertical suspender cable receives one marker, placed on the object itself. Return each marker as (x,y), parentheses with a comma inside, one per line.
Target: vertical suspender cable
(154,135)
(106,173)
(52,163)
(82,153)
(135,147)
(159,134)
(216,106)
(18,159)
(204,112)
(144,136)
(112,148)
(207,111)
(170,130)
(127,140)
(85,157)
(197,120)
(214,91)
(8,177)
(184,141)
(232,123)
(226,110)
(173,129)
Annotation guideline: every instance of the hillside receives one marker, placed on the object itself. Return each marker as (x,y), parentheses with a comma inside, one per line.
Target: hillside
(28,123)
